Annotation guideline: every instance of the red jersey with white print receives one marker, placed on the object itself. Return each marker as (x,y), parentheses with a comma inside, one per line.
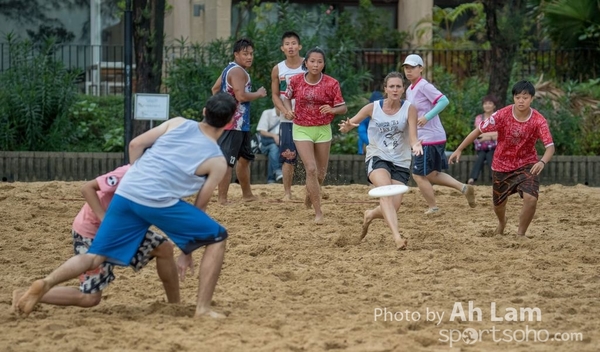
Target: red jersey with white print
(310,97)
(516,139)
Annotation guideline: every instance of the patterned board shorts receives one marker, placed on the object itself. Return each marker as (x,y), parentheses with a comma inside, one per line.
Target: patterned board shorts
(98,279)
(517,181)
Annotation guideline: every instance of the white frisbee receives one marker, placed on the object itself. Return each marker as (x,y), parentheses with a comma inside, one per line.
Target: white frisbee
(388,190)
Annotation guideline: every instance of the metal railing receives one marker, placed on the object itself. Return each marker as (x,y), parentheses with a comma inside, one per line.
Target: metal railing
(101,67)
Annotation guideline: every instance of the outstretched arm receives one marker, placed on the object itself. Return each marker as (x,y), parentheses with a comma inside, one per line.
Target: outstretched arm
(146,139)
(348,124)
(467,142)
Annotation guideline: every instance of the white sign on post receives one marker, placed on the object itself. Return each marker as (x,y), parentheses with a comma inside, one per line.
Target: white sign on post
(151,107)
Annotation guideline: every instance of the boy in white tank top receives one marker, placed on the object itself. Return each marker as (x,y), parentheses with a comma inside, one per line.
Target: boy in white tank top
(280,77)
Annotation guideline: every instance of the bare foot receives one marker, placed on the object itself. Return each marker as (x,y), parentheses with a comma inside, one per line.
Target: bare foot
(209,313)
(500,228)
(524,237)
(470,195)
(366,222)
(16,296)
(223,202)
(319,219)
(251,198)
(287,198)
(307,202)
(471,181)
(33,295)
(401,244)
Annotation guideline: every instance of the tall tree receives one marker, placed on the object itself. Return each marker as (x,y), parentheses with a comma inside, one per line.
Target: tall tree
(148,38)
(504,26)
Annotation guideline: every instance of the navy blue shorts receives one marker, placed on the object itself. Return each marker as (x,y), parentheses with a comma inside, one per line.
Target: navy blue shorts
(236,144)
(125,225)
(432,159)
(397,173)
(287,148)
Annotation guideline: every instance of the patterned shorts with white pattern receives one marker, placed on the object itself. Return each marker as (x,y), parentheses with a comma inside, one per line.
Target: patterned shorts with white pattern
(98,279)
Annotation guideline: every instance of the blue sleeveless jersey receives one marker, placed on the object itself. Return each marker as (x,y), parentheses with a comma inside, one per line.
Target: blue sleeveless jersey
(241,118)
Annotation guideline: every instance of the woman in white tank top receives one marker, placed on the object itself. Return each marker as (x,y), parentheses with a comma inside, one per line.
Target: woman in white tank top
(392,135)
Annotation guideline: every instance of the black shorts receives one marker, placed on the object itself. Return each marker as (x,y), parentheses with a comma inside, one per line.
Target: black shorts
(432,159)
(397,173)
(236,144)
(508,183)
(287,148)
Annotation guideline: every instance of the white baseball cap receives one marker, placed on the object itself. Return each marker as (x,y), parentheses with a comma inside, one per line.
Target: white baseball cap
(413,60)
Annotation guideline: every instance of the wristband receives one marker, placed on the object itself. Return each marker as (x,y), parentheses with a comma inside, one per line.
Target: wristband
(543,162)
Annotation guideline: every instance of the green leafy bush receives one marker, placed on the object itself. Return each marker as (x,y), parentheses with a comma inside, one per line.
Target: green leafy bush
(99,124)
(36,93)
(458,117)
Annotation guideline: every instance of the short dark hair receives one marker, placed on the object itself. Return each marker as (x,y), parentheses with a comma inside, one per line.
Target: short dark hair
(523,87)
(219,109)
(492,99)
(311,51)
(290,34)
(242,44)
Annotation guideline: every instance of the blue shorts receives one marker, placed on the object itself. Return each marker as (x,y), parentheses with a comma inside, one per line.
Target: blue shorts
(287,148)
(125,224)
(432,159)
(398,173)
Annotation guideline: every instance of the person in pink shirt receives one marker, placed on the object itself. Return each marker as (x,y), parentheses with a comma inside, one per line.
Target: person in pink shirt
(427,168)
(516,167)
(485,144)
(98,193)
(318,99)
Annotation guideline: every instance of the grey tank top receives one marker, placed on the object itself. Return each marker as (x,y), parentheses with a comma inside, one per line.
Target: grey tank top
(388,136)
(166,171)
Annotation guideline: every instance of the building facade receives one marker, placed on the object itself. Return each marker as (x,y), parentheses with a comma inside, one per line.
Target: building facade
(199,21)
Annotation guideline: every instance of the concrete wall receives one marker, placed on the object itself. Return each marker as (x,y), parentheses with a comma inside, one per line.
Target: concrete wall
(198,21)
(410,14)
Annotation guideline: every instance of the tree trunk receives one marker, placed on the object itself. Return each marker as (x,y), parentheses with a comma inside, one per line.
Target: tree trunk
(504,24)
(148,39)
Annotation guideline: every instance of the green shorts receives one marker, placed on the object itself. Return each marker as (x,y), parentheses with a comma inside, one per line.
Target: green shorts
(315,134)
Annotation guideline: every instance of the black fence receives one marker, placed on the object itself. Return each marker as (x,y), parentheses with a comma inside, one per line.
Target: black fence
(101,68)
(342,169)
(562,65)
